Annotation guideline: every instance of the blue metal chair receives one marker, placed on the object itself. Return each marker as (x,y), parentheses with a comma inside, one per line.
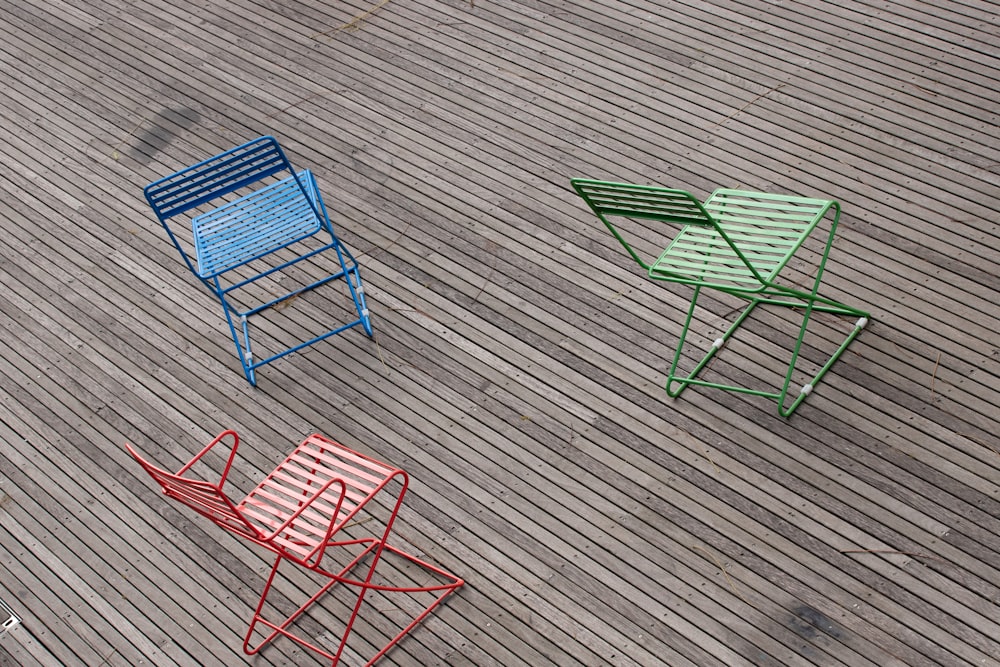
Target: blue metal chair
(252,217)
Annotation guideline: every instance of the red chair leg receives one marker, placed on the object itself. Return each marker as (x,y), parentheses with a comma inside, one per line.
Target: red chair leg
(376,549)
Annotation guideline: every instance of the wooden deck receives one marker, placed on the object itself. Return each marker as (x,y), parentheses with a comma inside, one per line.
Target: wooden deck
(518,363)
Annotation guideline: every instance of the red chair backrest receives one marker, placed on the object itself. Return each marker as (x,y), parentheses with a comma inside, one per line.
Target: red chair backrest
(203,497)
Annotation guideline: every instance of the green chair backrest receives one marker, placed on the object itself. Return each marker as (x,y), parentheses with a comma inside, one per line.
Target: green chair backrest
(607,200)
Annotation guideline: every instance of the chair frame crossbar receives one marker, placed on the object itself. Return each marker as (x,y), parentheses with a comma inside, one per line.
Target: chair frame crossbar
(296,512)
(737,242)
(250,229)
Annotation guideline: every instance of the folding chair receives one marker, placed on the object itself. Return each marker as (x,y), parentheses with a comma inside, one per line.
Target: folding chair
(253,218)
(308,512)
(737,242)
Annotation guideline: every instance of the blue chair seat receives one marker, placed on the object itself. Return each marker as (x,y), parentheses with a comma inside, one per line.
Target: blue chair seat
(254,226)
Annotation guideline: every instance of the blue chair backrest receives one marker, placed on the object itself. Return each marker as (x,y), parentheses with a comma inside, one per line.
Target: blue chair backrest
(217,176)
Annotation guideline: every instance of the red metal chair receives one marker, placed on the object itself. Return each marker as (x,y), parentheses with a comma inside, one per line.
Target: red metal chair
(307,512)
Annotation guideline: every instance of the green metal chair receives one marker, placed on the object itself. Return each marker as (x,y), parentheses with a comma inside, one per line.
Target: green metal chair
(737,242)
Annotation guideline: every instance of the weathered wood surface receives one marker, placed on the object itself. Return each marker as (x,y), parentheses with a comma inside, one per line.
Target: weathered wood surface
(518,362)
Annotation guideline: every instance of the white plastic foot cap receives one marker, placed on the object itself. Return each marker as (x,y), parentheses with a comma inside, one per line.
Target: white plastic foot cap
(719,342)
(806,390)
(862,323)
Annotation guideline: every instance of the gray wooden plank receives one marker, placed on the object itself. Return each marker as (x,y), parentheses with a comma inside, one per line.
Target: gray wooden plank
(502,368)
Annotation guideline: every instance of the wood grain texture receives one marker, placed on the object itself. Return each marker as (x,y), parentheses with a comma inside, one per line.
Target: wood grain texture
(518,361)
